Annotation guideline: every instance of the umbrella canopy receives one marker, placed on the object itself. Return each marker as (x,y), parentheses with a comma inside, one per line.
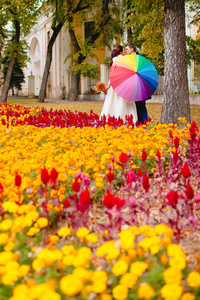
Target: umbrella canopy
(133,77)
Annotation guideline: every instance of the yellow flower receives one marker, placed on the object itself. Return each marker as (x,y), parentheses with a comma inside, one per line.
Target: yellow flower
(194,279)
(128,280)
(38,264)
(99,275)
(188,296)
(175,250)
(54,239)
(127,239)
(32,231)
(105,296)
(178,262)
(171,291)
(67,249)
(82,232)
(6,224)
(64,231)
(71,285)
(145,291)
(50,295)
(120,292)
(98,287)
(119,268)
(82,257)
(92,238)
(41,222)
(172,275)
(3,238)
(138,267)
(82,273)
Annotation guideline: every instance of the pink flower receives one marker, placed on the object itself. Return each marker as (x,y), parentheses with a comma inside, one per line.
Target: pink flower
(175,156)
(131,177)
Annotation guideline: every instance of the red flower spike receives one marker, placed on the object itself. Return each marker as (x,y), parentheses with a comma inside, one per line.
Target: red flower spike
(66,203)
(18,180)
(170,134)
(189,192)
(158,154)
(123,158)
(185,171)
(176,142)
(110,176)
(144,155)
(139,172)
(172,198)
(85,200)
(175,156)
(145,182)
(76,185)
(1,188)
(109,200)
(44,176)
(53,174)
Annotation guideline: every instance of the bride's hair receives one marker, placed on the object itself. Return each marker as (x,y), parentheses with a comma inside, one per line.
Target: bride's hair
(116,51)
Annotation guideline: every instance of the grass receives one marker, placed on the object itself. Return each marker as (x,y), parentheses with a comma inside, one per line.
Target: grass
(154,109)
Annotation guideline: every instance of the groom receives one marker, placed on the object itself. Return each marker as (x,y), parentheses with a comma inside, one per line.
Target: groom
(140,105)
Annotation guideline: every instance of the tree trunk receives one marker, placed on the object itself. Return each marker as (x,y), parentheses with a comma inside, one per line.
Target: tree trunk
(176,92)
(6,85)
(74,87)
(43,87)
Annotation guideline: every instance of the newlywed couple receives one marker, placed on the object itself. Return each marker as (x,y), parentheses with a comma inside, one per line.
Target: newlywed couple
(116,106)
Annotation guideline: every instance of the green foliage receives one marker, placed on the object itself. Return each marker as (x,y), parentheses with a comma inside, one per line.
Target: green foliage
(86,70)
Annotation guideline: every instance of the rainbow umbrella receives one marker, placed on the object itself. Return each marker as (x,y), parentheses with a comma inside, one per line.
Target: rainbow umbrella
(133,77)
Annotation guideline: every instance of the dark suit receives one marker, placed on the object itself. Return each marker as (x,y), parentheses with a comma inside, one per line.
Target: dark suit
(141,106)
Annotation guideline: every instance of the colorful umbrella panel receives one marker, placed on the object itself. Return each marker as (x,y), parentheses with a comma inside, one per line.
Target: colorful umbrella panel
(133,77)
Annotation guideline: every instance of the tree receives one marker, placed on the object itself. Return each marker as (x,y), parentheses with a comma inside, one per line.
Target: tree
(17,77)
(176,93)
(22,15)
(71,12)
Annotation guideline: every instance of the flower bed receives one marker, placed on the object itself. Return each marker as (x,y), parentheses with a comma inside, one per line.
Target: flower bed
(93,211)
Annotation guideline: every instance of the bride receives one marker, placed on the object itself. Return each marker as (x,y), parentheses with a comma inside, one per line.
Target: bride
(114,105)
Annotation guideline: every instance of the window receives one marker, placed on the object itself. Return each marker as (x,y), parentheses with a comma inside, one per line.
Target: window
(89,29)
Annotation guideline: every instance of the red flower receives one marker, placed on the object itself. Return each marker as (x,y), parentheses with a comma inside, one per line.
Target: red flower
(66,203)
(139,172)
(158,154)
(123,158)
(110,176)
(109,200)
(186,171)
(1,188)
(3,122)
(119,202)
(171,134)
(18,180)
(85,199)
(172,197)
(53,174)
(145,182)
(76,185)
(176,142)
(189,192)
(175,156)
(144,155)
(44,176)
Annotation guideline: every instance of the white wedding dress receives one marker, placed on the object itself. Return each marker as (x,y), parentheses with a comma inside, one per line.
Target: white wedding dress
(116,106)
